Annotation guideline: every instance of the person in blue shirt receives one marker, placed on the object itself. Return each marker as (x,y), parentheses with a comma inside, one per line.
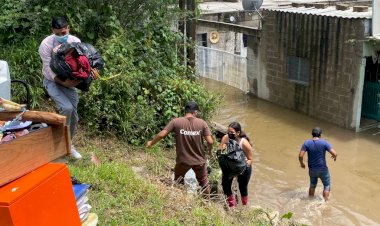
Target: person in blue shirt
(316,152)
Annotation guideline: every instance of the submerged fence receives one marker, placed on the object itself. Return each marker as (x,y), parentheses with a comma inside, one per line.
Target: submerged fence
(222,66)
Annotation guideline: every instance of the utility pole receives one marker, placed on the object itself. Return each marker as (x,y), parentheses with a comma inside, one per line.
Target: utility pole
(190,32)
(188,28)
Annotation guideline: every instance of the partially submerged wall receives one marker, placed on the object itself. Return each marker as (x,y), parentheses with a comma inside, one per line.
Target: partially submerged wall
(333,48)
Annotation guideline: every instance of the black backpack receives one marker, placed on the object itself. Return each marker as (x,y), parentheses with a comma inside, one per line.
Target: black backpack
(233,163)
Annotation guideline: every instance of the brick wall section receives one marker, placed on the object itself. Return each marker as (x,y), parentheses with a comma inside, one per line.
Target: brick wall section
(334,63)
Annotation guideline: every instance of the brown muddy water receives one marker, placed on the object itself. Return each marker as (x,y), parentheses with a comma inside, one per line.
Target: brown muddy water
(280,184)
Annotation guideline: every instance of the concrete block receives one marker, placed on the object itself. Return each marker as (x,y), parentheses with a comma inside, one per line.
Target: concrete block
(320,5)
(297,5)
(360,9)
(309,5)
(342,7)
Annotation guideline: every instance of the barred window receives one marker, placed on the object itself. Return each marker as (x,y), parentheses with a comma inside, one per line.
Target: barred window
(298,69)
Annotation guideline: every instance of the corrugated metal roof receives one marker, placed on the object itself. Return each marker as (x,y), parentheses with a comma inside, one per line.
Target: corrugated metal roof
(285,6)
(330,11)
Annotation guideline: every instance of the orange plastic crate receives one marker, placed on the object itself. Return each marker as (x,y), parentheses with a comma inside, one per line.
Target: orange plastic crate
(44,197)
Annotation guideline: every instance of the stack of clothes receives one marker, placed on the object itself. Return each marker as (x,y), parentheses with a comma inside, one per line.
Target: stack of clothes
(81,192)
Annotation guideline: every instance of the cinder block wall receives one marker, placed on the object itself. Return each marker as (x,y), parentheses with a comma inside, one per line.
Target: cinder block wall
(334,48)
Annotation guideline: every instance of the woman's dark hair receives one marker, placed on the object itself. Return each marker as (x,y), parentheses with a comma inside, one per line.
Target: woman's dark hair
(59,22)
(237,127)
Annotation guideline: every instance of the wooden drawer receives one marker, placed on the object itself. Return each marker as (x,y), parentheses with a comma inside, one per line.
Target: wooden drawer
(26,153)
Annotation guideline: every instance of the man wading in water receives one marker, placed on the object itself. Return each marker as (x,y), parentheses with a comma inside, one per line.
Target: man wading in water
(316,152)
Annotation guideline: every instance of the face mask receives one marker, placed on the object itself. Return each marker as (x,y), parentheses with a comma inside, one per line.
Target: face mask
(231,135)
(62,39)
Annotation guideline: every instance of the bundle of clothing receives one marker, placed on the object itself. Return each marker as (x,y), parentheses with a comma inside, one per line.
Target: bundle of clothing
(77,60)
(10,130)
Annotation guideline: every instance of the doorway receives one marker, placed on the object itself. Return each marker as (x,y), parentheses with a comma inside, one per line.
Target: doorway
(371,89)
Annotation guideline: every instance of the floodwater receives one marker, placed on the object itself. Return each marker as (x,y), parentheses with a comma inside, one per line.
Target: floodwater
(280,184)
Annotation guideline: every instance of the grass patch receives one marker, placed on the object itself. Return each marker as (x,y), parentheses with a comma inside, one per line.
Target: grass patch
(132,186)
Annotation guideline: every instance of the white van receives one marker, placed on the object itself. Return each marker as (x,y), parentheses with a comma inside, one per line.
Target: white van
(5,80)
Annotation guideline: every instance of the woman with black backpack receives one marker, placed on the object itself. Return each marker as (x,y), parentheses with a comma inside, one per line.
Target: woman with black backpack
(236,161)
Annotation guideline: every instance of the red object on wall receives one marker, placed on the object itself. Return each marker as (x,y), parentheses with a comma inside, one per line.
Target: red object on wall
(44,197)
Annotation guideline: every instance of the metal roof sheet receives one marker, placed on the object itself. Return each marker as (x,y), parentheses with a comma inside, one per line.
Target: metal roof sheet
(285,6)
(330,11)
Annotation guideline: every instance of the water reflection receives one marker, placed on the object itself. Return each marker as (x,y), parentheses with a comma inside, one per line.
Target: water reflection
(279,182)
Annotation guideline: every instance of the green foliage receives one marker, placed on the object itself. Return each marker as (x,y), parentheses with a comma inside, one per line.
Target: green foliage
(287,215)
(143,96)
(19,19)
(144,83)
(89,20)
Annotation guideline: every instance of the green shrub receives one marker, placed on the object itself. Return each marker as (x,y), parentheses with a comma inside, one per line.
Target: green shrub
(144,83)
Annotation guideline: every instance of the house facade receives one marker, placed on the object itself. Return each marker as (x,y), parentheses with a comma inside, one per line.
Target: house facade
(312,63)
(316,60)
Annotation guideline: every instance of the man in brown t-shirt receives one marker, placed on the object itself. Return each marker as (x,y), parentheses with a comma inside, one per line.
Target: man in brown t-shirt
(189,134)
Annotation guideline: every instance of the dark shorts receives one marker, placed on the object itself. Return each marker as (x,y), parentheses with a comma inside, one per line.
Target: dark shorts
(323,175)
(200,172)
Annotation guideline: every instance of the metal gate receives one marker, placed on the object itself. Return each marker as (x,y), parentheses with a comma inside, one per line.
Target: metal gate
(222,66)
(371,100)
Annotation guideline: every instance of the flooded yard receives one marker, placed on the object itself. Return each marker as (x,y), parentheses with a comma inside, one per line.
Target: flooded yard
(278,181)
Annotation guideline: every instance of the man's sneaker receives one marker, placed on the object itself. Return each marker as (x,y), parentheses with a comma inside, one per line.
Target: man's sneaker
(74,153)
